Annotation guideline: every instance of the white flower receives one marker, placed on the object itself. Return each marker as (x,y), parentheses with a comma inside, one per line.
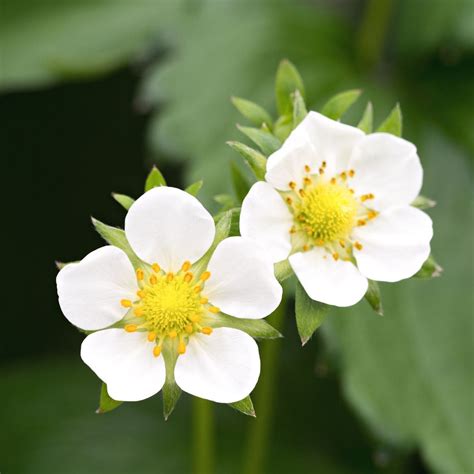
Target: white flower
(337,202)
(165,303)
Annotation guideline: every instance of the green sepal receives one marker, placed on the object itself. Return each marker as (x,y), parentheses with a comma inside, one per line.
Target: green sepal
(430,269)
(235,220)
(171,392)
(245,406)
(374,297)
(124,200)
(393,123)
(226,201)
(283,270)
(339,104)
(106,402)
(223,227)
(239,181)
(254,159)
(61,265)
(257,328)
(267,142)
(366,123)
(283,127)
(154,179)
(254,112)
(299,108)
(115,236)
(422,202)
(288,80)
(309,314)
(194,188)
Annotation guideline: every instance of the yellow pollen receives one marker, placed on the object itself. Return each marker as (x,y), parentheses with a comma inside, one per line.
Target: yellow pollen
(141,294)
(157,351)
(214,309)
(173,334)
(343,175)
(153,280)
(305,247)
(151,336)
(170,276)
(361,222)
(333,181)
(292,185)
(197,289)
(352,173)
(189,328)
(301,192)
(126,303)
(195,318)
(307,168)
(188,277)
(372,214)
(156,268)
(321,170)
(335,256)
(181,347)
(140,274)
(138,312)
(130,327)
(324,164)
(186,266)
(307,181)
(292,230)
(342,244)
(203,300)
(366,197)
(205,276)
(327,213)
(358,246)
(206,330)
(289,200)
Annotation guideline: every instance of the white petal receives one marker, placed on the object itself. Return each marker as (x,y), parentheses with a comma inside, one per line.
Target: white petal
(242,281)
(125,362)
(169,226)
(337,283)
(395,244)
(265,218)
(389,168)
(90,291)
(316,139)
(223,367)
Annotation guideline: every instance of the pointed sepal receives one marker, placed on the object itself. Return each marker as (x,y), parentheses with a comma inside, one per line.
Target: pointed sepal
(339,104)
(366,123)
(267,142)
(252,111)
(124,200)
(245,406)
(287,81)
(430,269)
(393,123)
(254,159)
(374,297)
(194,188)
(154,179)
(106,402)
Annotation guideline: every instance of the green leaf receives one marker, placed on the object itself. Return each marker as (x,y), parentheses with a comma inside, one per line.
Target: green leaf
(254,159)
(366,123)
(171,391)
(283,270)
(257,328)
(125,201)
(429,269)
(106,403)
(310,314)
(299,108)
(115,236)
(226,201)
(393,123)
(288,80)
(338,105)
(240,182)
(262,138)
(194,188)
(422,202)
(245,406)
(254,112)
(374,297)
(154,179)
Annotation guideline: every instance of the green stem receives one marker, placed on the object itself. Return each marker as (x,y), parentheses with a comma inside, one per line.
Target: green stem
(259,434)
(203,436)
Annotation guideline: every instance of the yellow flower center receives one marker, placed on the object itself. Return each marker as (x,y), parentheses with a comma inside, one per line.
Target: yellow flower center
(327,212)
(169,306)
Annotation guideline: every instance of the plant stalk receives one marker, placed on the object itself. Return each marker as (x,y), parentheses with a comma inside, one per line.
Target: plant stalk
(203,437)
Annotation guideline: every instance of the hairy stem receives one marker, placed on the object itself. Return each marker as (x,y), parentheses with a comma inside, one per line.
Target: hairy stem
(203,436)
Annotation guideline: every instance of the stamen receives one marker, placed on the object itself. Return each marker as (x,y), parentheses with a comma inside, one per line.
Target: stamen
(301,192)
(342,244)
(195,318)
(151,336)
(188,277)
(157,351)
(358,245)
(140,274)
(361,222)
(372,214)
(305,248)
(197,289)
(292,185)
(324,164)
(333,181)
(343,175)
(189,329)
(207,331)
(214,309)
(138,312)
(319,242)
(307,168)
(205,276)
(335,256)
(172,334)
(130,327)
(366,197)
(352,173)
(321,170)
(186,266)
(153,280)
(203,300)
(289,200)
(126,303)
(141,293)
(181,347)
(170,276)
(293,229)
(307,181)
(156,268)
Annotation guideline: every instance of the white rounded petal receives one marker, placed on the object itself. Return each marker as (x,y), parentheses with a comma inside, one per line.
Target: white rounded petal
(125,362)
(90,291)
(316,139)
(242,281)
(389,168)
(395,244)
(169,226)
(223,367)
(336,283)
(266,219)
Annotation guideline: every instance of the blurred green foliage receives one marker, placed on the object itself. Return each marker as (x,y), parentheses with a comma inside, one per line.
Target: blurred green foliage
(408,375)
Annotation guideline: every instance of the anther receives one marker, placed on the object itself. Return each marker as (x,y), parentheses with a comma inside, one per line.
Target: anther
(188,277)
(141,294)
(156,268)
(172,334)
(352,173)
(307,181)
(342,244)
(293,229)
(372,214)
(343,175)
(361,222)
(205,276)
(206,330)
(214,309)
(333,181)
(289,200)
(203,300)
(181,347)
(335,256)
(130,327)
(197,289)
(305,248)
(126,303)
(292,185)
(195,318)
(186,266)
(189,329)
(170,276)
(157,351)
(321,170)
(358,245)
(301,192)
(140,274)
(153,280)
(138,312)
(151,336)
(319,242)
(324,164)
(307,168)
